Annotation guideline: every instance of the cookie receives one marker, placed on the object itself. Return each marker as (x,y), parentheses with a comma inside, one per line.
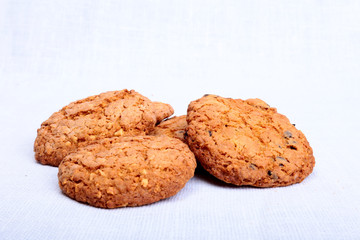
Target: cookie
(127,171)
(109,114)
(247,142)
(172,127)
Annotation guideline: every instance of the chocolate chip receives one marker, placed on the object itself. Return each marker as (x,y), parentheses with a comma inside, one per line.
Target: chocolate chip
(281,158)
(288,134)
(292,147)
(215,96)
(293,124)
(272,175)
(281,165)
(210,133)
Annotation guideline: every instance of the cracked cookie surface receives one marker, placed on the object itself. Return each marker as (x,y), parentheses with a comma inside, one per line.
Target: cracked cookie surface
(127,171)
(246,142)
(172,127)
(109,114)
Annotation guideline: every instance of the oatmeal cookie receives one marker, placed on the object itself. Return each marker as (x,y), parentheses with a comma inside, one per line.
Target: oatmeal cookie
(109,114)
(247,142)
(127,171)
(172,127)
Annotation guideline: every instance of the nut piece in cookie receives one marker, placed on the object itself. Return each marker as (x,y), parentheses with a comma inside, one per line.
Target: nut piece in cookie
(109,114)
(247,142)
(172,127)
(127,171)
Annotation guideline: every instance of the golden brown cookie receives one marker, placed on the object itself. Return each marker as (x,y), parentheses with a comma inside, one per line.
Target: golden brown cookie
(247,142)
(127,171)
(109,114)
(172,127)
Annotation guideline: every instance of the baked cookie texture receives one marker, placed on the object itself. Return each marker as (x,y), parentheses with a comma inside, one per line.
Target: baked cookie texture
(173,127)
(109,114)
(127,171)
(246,142)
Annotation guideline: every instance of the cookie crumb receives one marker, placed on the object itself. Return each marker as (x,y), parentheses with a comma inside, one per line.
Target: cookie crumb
(144,182)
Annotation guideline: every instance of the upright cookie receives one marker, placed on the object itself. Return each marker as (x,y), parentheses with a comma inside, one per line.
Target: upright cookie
(109,114)
(247,142)
(172,127)
(127,171)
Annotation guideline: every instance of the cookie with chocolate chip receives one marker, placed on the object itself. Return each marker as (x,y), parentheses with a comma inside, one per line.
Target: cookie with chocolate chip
(172,127)
(127,171)
(109,114)
(247,142)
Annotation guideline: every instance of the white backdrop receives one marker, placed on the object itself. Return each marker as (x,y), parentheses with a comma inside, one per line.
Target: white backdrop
(302,57)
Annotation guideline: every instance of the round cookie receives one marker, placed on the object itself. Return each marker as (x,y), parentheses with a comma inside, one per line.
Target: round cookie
(247,142)
(109,114)
(127,171)
(172,127)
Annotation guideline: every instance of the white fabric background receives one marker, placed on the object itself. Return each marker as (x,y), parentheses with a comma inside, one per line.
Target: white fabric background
(302,57)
